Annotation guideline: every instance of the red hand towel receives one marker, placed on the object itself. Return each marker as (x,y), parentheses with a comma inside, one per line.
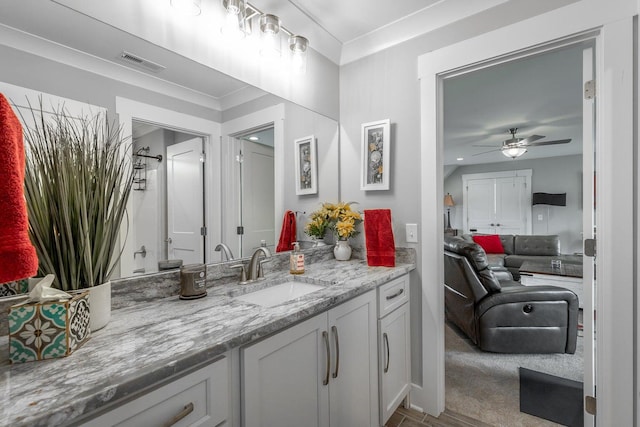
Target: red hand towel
(378,232)
(18,259)
(288,232)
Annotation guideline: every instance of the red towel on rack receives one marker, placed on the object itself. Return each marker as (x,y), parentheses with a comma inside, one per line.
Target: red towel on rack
(18,259)
(288,232)
(378,232)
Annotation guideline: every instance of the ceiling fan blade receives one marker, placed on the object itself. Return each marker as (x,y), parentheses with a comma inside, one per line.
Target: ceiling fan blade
(529,140)
(558,141)
(490,151)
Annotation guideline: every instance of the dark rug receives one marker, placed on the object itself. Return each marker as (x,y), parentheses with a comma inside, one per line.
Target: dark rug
(552,398)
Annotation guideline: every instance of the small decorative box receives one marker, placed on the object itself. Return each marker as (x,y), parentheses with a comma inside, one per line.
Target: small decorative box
(46,330)
(14,288)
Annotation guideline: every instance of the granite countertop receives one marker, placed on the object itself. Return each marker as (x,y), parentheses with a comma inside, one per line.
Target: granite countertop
(147,342)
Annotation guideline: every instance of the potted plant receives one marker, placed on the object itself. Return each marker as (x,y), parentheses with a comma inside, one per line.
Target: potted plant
(77,183)
(342,220)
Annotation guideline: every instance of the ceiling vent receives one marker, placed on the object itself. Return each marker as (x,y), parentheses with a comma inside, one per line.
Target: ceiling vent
(132,59)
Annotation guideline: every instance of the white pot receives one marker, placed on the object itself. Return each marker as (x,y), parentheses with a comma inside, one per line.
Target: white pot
(342,250)
(100,306)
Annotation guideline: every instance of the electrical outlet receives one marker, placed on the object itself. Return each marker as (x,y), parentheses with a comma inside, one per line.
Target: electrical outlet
(540,217)
(412,233)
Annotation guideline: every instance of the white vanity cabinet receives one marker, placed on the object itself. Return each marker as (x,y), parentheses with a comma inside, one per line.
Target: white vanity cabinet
(321,372)
(394,342)
(200,398)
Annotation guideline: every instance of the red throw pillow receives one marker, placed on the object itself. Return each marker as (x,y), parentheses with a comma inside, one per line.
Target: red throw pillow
(490,243)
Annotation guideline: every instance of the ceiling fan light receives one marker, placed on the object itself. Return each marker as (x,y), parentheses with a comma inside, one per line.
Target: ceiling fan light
(513,152)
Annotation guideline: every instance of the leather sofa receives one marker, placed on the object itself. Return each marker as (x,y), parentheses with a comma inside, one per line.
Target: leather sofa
(520,248)
(499,314)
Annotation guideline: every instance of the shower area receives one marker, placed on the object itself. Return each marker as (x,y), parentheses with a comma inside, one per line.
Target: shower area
(160,175)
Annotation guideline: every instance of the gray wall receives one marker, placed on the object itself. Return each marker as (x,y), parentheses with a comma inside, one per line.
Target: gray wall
(385,86)
(550,175)
(30,71)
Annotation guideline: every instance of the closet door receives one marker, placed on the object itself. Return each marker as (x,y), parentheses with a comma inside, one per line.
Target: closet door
(511,205)
(497,202)
(480,206)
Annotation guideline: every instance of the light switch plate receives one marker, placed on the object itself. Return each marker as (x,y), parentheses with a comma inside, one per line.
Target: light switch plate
(412,233)
(540,217)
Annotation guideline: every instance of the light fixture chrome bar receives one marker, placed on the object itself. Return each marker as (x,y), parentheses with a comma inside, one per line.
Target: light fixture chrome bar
(255,11)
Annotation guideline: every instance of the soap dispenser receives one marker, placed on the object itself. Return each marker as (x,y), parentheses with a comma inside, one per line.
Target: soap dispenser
(296,260)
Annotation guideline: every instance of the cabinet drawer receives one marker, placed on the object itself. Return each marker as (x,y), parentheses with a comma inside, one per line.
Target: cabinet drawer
(197,399)
(392,295)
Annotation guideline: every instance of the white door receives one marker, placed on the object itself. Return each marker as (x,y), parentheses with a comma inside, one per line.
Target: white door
(511,203)
(283,378)
(480,206)
(185,205)
(588,231)
(497,202)
(353,393)
(258,207)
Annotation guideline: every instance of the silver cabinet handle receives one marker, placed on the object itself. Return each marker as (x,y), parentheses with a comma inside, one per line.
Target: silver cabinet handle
(169,240)
(397,294)
(334,330)
(180,415)
(325,336)
(385,338)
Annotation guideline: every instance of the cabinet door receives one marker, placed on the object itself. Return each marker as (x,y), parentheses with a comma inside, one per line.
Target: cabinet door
(283,375)
(395,361)
(197,399)
(354,380)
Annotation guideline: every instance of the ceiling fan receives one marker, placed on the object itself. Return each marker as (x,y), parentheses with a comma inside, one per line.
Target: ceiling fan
(515,147)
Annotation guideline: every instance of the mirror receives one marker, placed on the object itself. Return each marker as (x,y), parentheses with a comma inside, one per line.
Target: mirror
(243,110)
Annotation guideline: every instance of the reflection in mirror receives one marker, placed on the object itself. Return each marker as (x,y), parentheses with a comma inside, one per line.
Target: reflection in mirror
(168,198)
(220,121)
(256,182)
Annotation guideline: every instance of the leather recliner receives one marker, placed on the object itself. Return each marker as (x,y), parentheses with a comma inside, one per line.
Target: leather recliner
(501,315)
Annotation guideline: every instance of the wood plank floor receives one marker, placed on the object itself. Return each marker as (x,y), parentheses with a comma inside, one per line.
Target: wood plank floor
(409,418)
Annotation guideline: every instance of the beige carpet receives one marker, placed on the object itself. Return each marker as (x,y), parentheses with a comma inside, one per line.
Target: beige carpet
(485,386)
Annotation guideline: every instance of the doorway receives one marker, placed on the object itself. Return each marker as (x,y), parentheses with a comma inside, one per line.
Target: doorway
(256,183)
(188,127)
(486,159)
(168,197)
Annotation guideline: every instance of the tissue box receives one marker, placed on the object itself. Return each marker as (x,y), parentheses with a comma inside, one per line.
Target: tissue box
(14,288)
(48,330)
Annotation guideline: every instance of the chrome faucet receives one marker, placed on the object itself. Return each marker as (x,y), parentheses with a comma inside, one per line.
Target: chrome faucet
(255,265)
(225,249)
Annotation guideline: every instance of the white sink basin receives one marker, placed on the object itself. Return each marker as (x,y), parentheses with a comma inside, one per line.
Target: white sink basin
(277,294)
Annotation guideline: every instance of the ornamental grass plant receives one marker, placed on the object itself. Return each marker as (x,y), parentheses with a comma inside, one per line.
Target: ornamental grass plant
(77,182)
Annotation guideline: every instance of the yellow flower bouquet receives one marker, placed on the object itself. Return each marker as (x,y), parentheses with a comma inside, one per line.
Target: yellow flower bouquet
(338,217)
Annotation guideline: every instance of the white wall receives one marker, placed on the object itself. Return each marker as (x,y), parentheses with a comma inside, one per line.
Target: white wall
(550,175)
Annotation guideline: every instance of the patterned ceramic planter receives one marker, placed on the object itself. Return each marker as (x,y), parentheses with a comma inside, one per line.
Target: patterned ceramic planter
(48,330)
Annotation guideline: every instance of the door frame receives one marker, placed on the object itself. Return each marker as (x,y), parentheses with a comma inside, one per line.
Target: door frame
(129,110)
(230,129)
(612,29)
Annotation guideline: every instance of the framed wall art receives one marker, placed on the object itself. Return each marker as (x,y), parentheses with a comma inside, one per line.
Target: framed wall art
(306,173)
(376,144)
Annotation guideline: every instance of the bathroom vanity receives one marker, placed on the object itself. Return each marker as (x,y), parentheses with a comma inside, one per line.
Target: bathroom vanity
(320,358)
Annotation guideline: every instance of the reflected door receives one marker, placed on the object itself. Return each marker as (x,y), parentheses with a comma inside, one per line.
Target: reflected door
(258,218)
(185,207)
